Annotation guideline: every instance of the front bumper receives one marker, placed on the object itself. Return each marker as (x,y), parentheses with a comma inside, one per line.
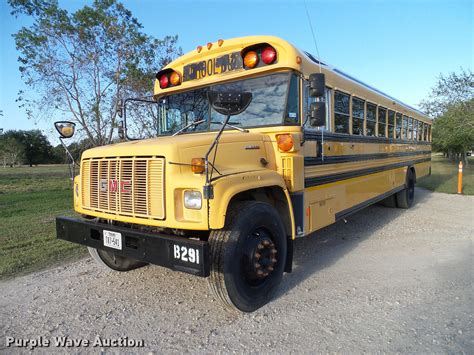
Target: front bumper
(159,249)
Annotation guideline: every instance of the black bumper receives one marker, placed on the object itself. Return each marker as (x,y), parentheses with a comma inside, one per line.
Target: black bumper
(159,249)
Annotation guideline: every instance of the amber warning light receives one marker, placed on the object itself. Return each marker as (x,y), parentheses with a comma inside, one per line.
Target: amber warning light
(285,142)
(259,55)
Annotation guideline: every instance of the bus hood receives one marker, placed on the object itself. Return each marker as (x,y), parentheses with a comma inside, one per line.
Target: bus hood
(236,152)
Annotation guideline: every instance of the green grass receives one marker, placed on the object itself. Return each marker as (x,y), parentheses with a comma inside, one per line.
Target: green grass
(30,199)
(444,176)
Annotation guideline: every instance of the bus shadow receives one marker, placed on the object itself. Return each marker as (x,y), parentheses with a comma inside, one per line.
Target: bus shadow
(326,246)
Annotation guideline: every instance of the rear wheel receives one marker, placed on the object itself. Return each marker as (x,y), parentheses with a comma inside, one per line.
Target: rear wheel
(248,256)
(111,261)
(406,197)
(390,201)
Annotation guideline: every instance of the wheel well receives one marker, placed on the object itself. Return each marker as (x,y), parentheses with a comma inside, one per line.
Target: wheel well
(412,168)
(272,195)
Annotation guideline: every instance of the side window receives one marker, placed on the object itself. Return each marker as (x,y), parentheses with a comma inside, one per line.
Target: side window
(382,121)
(341,112)
(415,128)
(420,130)
(371,115)
(405,127)
(307,102)
(358,116)
(410,128)
(328,100)
(398,134)
(292,107)
(391,123)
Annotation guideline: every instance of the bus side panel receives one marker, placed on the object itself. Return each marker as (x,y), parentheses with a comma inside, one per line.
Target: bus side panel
(323,203)
(422,169)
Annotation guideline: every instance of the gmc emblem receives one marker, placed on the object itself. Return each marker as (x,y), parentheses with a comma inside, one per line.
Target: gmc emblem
(113,186)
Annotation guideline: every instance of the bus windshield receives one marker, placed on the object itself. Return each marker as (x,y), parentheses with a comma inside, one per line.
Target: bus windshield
(269,106)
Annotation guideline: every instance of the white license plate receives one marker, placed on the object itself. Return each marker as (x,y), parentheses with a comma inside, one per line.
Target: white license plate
(113,240)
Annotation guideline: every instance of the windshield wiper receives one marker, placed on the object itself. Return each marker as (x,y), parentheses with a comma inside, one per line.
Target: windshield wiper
(232,126)
(195,123)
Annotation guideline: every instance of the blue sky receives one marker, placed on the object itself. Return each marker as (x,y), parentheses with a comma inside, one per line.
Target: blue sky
(399,47)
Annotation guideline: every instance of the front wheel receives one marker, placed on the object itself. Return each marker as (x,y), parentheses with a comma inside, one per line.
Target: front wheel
(111,261)
(248,256)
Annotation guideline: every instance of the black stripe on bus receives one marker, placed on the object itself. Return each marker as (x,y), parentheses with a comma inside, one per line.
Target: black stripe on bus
(336,159)
(326,179)
(341,137)
(347,212)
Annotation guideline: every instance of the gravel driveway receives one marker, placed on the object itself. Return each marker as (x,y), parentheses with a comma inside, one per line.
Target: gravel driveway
(387,280)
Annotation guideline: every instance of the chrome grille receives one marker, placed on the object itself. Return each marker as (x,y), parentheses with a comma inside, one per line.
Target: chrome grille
(124,186)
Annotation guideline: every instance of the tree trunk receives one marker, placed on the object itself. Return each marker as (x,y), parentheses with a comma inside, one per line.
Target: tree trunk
(465,161)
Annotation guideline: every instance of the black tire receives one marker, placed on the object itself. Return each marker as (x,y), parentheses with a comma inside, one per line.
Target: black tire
(390,201)
(406,197)
(248,256)
(110,261)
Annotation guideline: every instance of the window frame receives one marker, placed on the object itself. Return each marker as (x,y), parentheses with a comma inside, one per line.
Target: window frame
(328,97)
(415,129)
(420,131)
(385,126)
(367,104)
(398,125)
(298,121)
(364,102)
(394,124)
(347,116)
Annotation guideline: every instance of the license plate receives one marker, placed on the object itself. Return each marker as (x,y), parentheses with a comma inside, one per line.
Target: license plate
(113,240)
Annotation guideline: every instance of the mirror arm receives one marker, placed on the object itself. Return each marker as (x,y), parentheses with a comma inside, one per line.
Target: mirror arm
(124,111)
(72,165)
(208,191)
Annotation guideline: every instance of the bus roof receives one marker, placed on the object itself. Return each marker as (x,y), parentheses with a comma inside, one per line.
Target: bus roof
(360,82)
(289,57)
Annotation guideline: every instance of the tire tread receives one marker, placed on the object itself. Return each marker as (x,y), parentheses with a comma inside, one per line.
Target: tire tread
(217,241)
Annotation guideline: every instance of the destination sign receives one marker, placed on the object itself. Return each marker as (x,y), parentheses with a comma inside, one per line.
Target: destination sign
(213,66)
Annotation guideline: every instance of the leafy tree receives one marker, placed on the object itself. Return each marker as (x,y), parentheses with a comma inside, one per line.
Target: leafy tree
(35,146)
(451,105)
(58,155)
(11,151)
(83,63)
(77,148)
(449,90)
(453,131)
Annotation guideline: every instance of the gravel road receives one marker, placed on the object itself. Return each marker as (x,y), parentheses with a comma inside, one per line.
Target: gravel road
(388,280)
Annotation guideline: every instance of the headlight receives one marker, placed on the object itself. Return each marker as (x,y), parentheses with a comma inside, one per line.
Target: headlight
(192,199)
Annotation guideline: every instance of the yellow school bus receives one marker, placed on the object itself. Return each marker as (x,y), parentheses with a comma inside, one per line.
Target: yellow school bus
(246,145)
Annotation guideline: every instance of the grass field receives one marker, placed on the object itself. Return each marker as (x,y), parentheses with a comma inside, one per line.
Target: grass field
(30,198)
(444,176)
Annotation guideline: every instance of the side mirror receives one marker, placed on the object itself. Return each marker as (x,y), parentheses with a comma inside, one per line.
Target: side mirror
(65,129)
(121,130)
(317,114)
(317,85)
(120,108)
(229,103)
